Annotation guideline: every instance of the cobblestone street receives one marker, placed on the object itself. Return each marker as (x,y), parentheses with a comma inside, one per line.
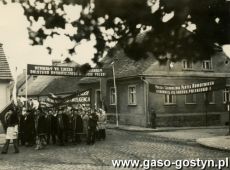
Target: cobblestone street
(119,145)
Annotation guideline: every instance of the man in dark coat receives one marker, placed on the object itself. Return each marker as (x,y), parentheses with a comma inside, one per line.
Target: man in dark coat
(30,128)
(66,124)
(60,127)
(21,133)
(153,118)
(92,125)
(40,127)
(78,126)
(51,126)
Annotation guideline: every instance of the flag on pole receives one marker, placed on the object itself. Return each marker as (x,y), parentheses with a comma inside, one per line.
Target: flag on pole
(14,95)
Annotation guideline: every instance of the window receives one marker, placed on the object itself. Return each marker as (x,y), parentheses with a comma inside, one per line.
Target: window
(187,64)
(226,96)
(207,65)
(170,99)
(132,95)
(112,96)
(190,99)
(211,97)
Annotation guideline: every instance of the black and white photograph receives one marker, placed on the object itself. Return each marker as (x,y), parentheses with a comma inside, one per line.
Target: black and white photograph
(114,84)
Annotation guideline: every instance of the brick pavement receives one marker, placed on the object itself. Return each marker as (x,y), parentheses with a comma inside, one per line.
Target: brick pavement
(211,136)
(118,145)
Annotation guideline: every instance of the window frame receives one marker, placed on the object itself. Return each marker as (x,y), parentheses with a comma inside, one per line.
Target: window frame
(194,99)
(207,61)
(185,64)
(225,91)
(213,97)
(173,99)
(135,95)
(110,96)
(95,97)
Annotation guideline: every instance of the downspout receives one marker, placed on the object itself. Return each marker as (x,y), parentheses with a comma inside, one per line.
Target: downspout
(146,100)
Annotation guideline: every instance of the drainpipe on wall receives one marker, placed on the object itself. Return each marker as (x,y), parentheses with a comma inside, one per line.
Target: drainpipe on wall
(146,100)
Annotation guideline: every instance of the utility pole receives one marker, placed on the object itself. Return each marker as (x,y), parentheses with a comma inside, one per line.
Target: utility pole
(206,102)
(228,108)
(115,90)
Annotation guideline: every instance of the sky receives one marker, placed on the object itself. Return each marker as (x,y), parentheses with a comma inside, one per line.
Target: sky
(16,43)
(19,52)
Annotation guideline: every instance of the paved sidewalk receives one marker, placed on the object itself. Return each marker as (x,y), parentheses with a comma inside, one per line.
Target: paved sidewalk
(211,136)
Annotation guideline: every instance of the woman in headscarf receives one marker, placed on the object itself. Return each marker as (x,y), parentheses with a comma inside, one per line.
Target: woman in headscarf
(11,119)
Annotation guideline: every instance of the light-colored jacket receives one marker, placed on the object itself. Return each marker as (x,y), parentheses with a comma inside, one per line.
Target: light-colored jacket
(102,120)
(85,120)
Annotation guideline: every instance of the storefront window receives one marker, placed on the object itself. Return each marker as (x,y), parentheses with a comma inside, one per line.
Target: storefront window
(132,95)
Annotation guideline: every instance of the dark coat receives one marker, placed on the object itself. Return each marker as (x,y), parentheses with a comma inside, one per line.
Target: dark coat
(11,119)
(78,124)
(62,122)
(30,123)
(93,118)
(41,124)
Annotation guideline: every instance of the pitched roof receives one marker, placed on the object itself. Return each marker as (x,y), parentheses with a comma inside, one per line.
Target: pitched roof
(5,73)
(35,87)
(123,65)
(62,85)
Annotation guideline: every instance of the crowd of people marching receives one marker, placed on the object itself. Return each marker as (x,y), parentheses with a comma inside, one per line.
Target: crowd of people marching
(59,126)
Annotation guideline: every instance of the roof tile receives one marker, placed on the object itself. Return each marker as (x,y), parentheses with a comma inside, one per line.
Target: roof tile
(5,73)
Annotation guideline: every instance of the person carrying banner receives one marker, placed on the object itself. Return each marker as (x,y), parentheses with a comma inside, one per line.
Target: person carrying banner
(11,119)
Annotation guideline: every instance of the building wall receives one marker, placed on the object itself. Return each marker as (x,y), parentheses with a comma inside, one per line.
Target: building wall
(178,114)
(128,114)
(4,93)
(184,114)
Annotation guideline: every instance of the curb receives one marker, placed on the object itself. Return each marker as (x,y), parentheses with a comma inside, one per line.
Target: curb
(165,130)
(206,144)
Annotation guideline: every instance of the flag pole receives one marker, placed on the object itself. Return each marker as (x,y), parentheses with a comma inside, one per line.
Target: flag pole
(15,87)
(26,89)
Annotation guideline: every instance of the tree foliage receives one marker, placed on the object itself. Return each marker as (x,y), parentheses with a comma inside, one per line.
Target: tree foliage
(139,26)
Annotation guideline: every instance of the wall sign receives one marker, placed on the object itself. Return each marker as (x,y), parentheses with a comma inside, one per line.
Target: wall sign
(189,88)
